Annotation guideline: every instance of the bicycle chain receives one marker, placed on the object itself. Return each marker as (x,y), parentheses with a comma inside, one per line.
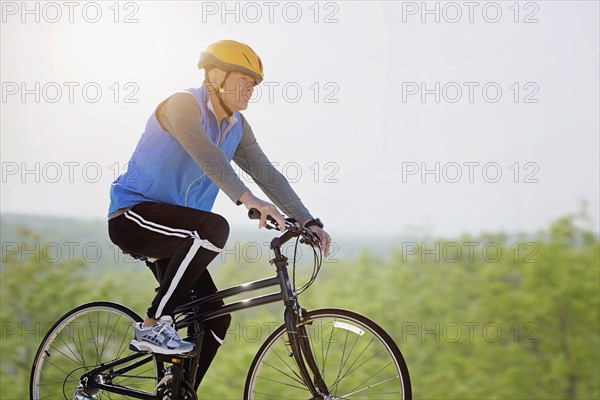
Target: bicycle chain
(137,376)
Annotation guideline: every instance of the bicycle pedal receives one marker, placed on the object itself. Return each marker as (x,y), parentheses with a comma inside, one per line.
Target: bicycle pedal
(191,354)
(175,358)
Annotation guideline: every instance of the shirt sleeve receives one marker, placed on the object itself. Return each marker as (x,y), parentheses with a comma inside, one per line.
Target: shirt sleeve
(252,160)
(181,116)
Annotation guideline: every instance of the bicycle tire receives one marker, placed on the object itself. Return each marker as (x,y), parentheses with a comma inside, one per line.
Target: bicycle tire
(334,336)
(82,339)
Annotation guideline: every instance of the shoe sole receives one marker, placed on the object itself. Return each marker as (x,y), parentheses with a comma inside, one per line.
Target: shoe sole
(151,348)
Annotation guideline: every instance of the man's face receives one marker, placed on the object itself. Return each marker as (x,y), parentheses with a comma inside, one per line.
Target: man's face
(238,91)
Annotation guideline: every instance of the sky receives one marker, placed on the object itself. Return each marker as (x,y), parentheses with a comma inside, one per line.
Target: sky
(386,117)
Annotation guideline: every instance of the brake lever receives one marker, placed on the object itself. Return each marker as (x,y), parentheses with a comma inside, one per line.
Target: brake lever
(271,224)
(311,236)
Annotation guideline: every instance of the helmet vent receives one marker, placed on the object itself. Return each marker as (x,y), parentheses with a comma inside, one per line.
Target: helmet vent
(247,59)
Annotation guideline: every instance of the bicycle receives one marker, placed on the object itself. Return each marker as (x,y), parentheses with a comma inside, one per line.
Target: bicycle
(319,354)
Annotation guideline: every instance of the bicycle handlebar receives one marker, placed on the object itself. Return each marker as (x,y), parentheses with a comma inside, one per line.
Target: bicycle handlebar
(291,225)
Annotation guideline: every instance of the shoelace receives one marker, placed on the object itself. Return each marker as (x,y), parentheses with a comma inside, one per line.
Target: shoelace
(170,331)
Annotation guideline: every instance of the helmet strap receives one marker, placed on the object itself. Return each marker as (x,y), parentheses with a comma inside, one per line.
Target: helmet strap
(221,89)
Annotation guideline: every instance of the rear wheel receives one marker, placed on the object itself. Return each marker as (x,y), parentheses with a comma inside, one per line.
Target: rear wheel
(84,338)
(355,357)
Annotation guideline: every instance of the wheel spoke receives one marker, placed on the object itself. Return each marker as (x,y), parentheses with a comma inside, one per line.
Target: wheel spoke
(66,355)
(57,367)
(371,377)
(369,387)
(350,370)
(285,373)
(327,352)
(106,339)
(364,362)
(272,396)
(299,380)
(341,360)
(80,348)
(283,383)
(125,336)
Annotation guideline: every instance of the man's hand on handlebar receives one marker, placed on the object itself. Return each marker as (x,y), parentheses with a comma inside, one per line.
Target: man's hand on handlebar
(265,208)
(323,237)
(313,235)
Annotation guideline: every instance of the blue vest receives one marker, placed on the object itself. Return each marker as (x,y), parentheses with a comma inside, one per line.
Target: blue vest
(160,170)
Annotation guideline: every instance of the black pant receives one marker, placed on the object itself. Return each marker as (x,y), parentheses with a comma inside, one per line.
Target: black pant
(185,241)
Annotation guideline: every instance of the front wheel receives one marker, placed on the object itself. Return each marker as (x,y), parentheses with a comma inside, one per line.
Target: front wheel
(355,357)
(83,339)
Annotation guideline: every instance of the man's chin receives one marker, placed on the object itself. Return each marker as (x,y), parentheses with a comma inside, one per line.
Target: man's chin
(238,106)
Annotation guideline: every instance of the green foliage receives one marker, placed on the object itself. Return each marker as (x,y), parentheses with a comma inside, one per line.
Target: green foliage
(519,321)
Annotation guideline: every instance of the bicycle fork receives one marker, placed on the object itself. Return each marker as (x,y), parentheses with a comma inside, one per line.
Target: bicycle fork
(302,353)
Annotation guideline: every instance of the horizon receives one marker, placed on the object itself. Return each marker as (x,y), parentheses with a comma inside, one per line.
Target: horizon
(411,233)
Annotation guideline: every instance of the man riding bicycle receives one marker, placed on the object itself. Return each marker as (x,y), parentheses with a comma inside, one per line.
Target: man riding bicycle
(160,207)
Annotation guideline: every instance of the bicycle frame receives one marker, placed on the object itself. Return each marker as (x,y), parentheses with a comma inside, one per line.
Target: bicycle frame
(292,314)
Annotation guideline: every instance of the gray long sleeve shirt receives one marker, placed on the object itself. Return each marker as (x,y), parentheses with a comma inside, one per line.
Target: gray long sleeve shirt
(181,116)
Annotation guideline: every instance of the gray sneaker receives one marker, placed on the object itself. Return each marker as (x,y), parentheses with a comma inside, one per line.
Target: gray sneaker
(160,338)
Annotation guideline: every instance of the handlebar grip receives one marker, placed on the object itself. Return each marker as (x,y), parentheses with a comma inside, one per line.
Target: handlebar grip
(253,213)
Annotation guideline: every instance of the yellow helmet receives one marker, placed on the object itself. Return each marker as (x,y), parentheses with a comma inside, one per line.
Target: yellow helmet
(230,55)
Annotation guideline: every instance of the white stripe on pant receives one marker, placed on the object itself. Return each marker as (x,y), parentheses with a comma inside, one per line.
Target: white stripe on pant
(165,230)
(182,267)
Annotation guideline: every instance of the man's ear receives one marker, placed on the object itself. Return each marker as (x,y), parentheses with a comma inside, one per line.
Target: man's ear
(215,76)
